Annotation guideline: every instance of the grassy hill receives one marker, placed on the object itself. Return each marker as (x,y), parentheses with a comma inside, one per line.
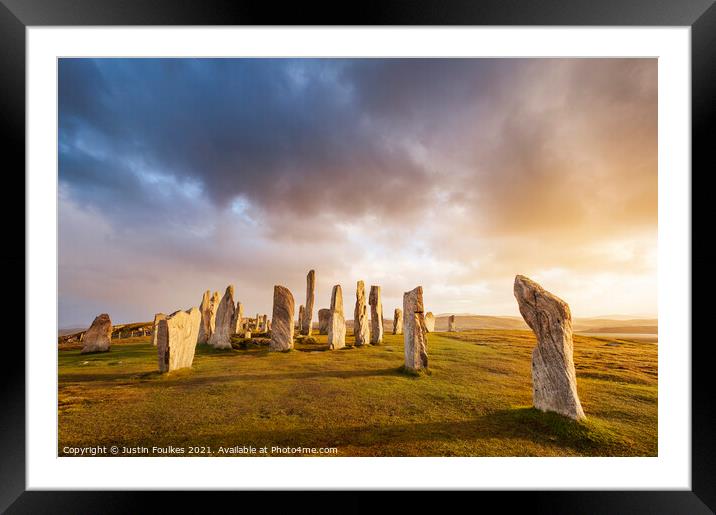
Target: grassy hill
(475,402)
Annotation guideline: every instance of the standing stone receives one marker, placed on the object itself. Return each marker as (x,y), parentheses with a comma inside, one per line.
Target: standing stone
(361,327)
(155,327)
(205,329)
(307,320)
(376,316)
(98,337)
(398,321)
(337,322)
(430,322)
(451,324)
(237,321)
(221,337)
(301,314)
(282,319)
(554,379)
(414,331)
(324,318)
(176,339)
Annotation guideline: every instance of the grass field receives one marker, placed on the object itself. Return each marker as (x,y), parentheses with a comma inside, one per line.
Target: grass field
(475,401)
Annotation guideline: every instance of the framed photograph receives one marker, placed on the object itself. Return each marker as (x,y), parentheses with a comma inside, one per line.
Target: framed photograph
(440,248)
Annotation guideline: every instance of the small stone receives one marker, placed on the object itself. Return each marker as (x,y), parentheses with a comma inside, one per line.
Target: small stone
(398,321)
(238,321)
(324,317)
(155,327)
(429,322)
(98,337)
(301,314)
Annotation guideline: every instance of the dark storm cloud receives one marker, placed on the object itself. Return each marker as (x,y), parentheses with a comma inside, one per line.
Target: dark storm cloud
(252,170)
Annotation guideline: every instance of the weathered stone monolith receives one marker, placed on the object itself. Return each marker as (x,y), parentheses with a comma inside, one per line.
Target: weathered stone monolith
(301,314)
(282,319)
(205,309)
(554,379)
(429,322)
(451,324)
(324,318)
(398,321)
(155,327)
(176,339)
(337,322)
(221,337)
(238,321)
(98,337)
(307,320)
(361,326)
(376,316)
(414,332)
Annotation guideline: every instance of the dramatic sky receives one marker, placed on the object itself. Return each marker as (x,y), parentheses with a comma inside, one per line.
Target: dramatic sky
(181,175)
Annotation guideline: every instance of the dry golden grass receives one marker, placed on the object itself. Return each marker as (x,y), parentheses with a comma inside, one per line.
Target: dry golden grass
(475,402)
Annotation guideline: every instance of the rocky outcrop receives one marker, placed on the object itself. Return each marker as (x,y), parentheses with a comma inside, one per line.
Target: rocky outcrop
(221,337)
(361,327)
(324,318)
(414,331)
(376,316)
(282,319)
(307,320)
(398,321)
(337,322)
(98,337)
(554,379)
(429,322)
(176,339)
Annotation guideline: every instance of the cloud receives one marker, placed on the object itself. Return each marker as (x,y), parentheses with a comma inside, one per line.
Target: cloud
(177,175)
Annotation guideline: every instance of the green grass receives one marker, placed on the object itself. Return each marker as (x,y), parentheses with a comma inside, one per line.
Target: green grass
(476,400)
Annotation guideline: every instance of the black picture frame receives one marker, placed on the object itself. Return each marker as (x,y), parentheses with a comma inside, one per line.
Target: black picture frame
(17,15)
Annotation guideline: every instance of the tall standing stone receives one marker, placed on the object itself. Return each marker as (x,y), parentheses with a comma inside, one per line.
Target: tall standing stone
(451,324)
(414,331)
(307,320)
(282,319)
(221,338)
(177,338)
(429,322)
(324,318)
(238,320)
(554,379)
(98,337)
(337,322)
(376,316)
(155,327)
(361,327)
(398,321)
(205,309)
